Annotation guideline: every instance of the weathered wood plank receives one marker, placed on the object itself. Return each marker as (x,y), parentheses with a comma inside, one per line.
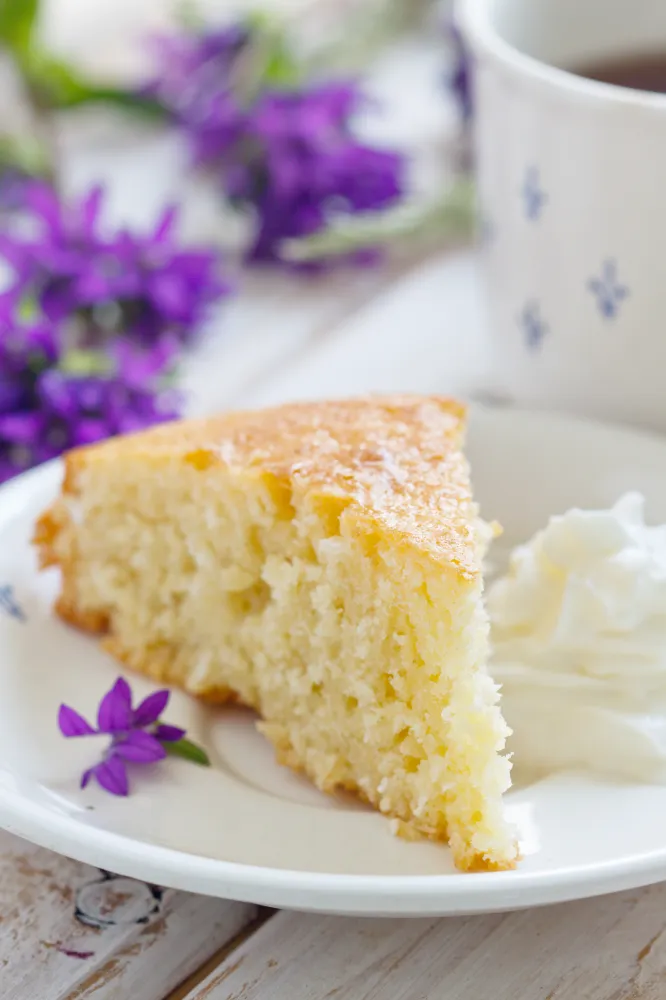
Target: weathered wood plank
(612,948)
(69,931)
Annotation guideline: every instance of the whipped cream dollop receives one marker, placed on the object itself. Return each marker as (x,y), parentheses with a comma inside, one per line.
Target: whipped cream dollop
(579,644)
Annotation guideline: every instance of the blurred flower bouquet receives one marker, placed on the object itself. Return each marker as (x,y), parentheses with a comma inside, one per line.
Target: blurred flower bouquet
(279,144)
(92,322)
(90,325)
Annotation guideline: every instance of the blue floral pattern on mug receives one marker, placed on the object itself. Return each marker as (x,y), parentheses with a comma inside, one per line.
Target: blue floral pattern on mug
(608,290)
(9,605)
(533,195)
(533,325)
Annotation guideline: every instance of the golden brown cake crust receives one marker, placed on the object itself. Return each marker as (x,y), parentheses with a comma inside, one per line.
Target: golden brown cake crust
(395,464)
(396,459)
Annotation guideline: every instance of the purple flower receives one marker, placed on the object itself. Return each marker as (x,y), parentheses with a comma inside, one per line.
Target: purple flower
(298,164)
(142,287)
(91,408)
(195,85)
(137,735)
(26,353)
(46,409)
(288,154)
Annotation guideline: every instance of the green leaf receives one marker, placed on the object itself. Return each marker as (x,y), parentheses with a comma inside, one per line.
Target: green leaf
(17,22)
(55,84)
(270,39)
(188,751)
(267,60)
(124,100)
(83,363)
(281,69)
(260,20)
(28,310)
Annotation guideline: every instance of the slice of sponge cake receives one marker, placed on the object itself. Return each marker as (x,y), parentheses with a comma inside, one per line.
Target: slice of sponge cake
(322,564)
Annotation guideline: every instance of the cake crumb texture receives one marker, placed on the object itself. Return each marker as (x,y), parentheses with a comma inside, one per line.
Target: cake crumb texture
(320,563)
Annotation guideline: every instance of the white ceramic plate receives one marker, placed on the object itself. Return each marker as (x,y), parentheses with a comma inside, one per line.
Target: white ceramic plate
(248,829)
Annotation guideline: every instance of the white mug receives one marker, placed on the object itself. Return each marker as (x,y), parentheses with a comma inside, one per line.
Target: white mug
(572,201)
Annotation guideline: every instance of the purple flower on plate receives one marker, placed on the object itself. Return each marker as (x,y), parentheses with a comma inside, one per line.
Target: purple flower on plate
(137,736)
(145,288)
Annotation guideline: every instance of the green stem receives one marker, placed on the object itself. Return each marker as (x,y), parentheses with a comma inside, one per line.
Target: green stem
(411,225)
(35,155)
(125,100)
(54,85)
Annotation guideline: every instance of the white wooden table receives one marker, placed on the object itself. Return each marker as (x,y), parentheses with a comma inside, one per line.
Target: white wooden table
(71,932)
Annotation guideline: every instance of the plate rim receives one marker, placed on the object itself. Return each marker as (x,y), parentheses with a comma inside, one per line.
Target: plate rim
(326,892)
